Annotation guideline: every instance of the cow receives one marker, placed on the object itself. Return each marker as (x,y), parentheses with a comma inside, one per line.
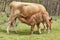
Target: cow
(31,12)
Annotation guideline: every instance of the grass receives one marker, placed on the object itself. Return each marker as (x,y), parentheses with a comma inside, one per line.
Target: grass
(23,31)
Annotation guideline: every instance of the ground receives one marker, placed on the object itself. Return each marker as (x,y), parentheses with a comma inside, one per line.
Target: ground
(23,31)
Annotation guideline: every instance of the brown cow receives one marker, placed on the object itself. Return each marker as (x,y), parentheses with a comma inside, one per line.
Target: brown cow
(36,19)
(31,12)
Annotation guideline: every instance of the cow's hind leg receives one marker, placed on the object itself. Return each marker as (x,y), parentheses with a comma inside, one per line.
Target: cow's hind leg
(39,29)
(10,23)
(8,28)
(14,26)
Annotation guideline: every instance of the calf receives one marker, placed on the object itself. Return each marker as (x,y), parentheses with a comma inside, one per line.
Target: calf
(36,19)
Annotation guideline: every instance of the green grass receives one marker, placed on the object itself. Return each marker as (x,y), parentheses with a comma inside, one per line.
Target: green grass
(23,31)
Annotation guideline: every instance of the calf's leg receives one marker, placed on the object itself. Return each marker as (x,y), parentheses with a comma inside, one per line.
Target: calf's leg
(48,27)
(44,24)
(39,30)
(32,29)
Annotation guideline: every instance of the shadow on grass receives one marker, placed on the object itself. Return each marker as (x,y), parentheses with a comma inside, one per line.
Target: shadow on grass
(2,30)
(42,30)
(24,32)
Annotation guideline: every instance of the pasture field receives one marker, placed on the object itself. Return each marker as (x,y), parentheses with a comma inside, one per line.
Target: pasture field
(23,31)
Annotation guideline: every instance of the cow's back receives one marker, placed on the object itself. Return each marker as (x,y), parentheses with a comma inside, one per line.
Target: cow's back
(27,9)
(32,9)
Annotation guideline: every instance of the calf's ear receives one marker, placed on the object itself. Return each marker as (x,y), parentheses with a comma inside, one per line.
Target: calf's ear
(50,19)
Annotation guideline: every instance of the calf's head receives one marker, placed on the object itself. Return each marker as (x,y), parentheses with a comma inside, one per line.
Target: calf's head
(49,23)
(50,20)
